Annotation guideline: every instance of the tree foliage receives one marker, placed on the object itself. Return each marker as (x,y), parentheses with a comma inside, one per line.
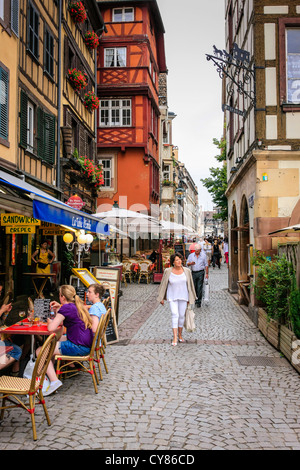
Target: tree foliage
(216,184)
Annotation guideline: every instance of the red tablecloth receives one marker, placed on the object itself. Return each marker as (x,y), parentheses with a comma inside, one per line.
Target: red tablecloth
(26,329)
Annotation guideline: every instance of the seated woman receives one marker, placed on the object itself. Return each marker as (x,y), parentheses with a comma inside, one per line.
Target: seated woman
(13,355)
(72,314)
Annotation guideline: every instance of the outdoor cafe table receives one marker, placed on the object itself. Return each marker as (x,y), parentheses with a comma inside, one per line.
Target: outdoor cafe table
(44,277)
(27,328)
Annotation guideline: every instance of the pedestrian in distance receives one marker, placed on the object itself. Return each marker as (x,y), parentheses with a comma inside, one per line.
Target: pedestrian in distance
(178,288)
(225,250)
(216,254)
(72,314)
(198,264)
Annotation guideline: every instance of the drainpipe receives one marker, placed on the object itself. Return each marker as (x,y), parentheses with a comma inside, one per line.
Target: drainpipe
(58,169)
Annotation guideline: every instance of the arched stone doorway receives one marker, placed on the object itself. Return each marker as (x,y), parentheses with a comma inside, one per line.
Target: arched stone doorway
(244,240)
(233,251)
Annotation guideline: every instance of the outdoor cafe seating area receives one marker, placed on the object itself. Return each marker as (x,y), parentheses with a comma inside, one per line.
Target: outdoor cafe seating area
(26,393)
(138,268)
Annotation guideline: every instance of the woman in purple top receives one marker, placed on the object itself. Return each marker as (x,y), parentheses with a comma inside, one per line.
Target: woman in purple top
(72,314)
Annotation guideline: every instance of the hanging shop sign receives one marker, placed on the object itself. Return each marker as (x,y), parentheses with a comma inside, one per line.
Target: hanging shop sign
(19,229)
(76,202)
(17,219)
(52,229)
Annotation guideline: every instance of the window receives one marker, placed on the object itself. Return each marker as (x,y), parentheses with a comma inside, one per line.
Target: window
(123,14)
(115,57)
(2,9)
(33,31)
(115,113)
(166,172)
(107,164)
(49,51)
(293,64)
(3,104)
(15,16)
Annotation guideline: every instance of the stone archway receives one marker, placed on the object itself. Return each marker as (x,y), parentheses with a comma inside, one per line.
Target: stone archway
(244,241)
(233,251)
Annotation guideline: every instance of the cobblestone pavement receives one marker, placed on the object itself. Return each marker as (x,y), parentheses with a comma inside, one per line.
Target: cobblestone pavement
(190,397)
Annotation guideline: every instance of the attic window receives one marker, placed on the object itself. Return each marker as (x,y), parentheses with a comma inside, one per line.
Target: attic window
(123,14)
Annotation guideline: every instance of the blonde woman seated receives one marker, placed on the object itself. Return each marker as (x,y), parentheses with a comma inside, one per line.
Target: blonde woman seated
(71,313)
(178,288)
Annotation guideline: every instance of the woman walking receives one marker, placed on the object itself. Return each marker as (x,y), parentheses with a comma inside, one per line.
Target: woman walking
(216,255)
(178,288)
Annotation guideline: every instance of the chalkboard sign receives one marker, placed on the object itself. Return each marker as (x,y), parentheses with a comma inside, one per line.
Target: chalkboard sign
(179,248)
(111,332)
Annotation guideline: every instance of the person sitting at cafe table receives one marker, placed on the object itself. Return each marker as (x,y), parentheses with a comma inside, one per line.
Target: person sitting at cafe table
(13,355)
(72,314)
(43,257)
(94,294)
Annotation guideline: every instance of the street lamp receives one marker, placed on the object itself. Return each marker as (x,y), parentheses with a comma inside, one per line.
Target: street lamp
(83,243)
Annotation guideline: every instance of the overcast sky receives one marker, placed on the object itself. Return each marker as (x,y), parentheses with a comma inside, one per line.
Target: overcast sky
(192,27)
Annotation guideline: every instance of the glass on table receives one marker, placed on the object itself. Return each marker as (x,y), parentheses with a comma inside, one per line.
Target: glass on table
(22,314)
(30,316)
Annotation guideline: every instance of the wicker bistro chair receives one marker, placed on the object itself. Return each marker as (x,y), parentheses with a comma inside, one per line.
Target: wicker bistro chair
(145,272)
(100,346)
(64,362)
(13,388)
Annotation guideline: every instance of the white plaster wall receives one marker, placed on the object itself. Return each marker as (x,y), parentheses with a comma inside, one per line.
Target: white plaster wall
(270,41)
(271,127)
(293,125)
(286,205)
(271,90)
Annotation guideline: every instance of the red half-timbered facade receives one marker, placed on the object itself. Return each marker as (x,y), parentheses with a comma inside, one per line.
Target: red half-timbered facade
(130,58)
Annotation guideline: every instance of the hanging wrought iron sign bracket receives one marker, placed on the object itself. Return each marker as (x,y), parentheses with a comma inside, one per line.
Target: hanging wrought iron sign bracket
(238,68)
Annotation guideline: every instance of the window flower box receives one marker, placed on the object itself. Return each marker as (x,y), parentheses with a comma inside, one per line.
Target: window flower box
(91,101)
(77,79)
(93,173)
(77,11)
(91,40)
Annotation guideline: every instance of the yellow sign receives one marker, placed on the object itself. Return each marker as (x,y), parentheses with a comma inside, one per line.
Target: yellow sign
(20,229)
(49,225)
(54,232)
(17,219)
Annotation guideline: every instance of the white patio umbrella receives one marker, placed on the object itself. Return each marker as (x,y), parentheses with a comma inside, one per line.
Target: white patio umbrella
(291,229)
(131,222)
(168,226)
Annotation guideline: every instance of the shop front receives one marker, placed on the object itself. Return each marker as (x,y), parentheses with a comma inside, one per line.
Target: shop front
(28,216)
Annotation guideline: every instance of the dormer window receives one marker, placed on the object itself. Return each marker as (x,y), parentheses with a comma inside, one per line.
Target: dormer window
(120,15)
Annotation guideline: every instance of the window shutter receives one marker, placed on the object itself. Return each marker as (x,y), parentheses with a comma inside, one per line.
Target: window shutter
(3,104)
(15,16)
(23,119)
(40,132)
(49,140)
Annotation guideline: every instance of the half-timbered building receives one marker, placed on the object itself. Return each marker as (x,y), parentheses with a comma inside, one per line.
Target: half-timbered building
(130,58)
(261,103)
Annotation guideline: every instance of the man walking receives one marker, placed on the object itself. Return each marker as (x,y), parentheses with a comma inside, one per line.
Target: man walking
(197,261)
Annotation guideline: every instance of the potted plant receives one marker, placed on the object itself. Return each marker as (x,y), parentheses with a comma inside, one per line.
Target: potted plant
(77,79)
(92,172)
(91,40)
(77,11)
(91,101)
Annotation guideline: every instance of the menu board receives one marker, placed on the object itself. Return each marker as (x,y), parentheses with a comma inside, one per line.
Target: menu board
(111,277)
(85,276)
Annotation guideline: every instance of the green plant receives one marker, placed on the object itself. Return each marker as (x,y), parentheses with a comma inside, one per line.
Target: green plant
(294,307)
(273,285)
(77,11)
(91,101)
(77,79)
(68,263)
(91,39)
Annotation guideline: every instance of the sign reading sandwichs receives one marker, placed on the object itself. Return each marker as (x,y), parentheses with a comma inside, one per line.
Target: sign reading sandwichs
(18,219)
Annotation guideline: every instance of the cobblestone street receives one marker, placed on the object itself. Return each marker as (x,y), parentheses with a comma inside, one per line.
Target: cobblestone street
(194,396)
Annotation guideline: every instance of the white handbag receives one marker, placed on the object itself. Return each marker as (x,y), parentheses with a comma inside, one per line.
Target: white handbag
(206,292)
(189,322)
